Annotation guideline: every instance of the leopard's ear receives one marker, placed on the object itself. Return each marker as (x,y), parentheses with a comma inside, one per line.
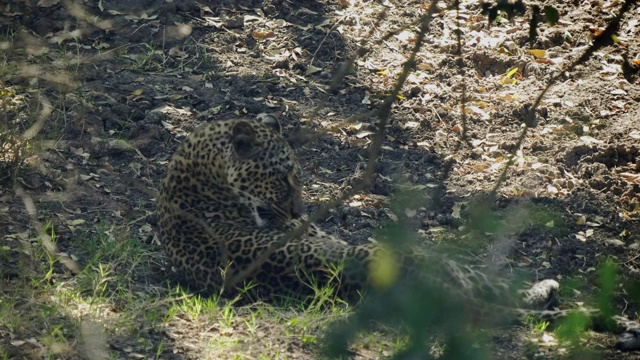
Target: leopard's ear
(271,121)
(243,139)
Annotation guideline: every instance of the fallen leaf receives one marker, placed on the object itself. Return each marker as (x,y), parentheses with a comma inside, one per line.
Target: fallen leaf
(480,167)
(615,242)
(508,77)
(48,3)
(631,177)
(545,61)
(540,54)
(363,134)
(406,36)
(263,35)
(304,10)
(590,140)
(135,93)
(312,70)
(391,215)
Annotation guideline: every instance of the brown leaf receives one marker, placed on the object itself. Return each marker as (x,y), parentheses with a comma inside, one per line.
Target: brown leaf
(480,167)
(631,177)
(260,35)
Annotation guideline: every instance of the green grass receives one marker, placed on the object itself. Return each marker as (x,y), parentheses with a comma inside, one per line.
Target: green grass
(107,293)
(123,288)
(119,289)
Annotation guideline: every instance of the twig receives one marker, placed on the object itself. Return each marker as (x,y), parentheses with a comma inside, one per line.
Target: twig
(602,40)
(376,145)
(363,50)
(463,95)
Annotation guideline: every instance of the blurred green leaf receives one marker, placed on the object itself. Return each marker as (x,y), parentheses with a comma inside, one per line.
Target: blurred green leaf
(551,14)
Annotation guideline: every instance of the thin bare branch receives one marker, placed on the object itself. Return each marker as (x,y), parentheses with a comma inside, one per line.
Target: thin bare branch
(604,39)
(383,114)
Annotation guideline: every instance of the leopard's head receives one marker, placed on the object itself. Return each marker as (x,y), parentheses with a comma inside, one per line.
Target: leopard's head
(263,167)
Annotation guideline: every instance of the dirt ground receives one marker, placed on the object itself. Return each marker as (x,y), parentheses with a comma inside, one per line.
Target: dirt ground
(128,80)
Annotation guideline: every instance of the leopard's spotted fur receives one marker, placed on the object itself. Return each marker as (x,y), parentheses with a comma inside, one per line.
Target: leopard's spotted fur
(231,190)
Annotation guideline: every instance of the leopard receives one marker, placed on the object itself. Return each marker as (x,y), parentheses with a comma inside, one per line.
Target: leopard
(232,190)
(232,197)
(231,211)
